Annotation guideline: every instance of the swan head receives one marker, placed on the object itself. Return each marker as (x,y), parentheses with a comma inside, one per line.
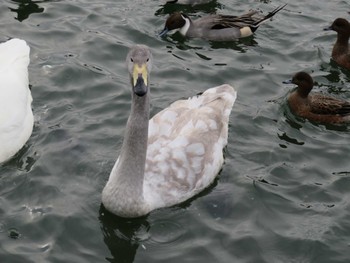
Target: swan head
(139,62)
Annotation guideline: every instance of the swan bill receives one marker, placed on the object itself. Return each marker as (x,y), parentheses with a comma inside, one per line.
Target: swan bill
(140,80)
(140,89)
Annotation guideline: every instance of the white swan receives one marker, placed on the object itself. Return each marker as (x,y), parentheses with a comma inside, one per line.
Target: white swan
(172,157)
(16,116)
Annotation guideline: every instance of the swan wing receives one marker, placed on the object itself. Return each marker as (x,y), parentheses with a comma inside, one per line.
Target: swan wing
(185,145)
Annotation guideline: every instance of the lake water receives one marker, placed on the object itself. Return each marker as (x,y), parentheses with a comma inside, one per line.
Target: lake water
(283,194)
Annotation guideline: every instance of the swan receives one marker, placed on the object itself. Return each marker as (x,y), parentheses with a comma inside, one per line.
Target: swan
(16,116)
(171,157)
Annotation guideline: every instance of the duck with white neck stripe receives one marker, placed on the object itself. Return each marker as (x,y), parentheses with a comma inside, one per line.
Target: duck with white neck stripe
(217,27)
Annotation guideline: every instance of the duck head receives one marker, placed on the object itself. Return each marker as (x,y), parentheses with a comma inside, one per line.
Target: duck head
(304,82)
(177,22)
(340,25)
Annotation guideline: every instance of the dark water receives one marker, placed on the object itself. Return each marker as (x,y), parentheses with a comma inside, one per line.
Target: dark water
(284,192)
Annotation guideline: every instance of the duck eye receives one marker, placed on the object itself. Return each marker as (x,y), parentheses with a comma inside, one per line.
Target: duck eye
(147,59)
(131,59)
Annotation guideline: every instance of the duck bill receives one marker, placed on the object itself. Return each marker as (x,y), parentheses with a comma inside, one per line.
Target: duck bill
(140,80)
(288,81)
(328,28)
(164,32)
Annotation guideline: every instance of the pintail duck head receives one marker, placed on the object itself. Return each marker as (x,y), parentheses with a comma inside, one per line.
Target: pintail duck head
(178,22)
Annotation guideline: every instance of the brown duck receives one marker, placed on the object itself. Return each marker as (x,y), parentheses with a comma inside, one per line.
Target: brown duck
(316,106)
(341,49)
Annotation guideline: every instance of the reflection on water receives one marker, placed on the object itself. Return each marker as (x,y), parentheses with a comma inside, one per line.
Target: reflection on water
(122,236)
(182,43)
(125,237)
(170,8)
(240,45)
(26,8)
(284,188)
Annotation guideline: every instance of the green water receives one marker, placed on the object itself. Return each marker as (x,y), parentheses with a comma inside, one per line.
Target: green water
(283,193)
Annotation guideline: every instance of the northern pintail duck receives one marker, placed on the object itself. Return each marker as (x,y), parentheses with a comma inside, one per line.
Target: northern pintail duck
(171,157)
(341,49)
(16,116)
(316,106)
(217,27)
(188,2)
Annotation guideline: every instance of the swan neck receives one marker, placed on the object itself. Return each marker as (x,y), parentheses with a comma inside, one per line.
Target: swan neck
(133,152)
(125,182)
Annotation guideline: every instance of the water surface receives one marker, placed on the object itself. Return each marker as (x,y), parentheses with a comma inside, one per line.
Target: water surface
(283,193)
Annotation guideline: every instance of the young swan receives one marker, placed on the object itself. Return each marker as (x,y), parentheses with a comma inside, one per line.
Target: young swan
(172,157)
(16,116)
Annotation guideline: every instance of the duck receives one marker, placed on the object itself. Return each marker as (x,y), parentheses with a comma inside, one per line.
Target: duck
(171,157)
(188,2)
(217,27)
(341,48)
(16,116)
(315,106)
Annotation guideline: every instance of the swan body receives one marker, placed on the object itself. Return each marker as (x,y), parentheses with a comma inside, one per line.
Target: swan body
(172,157)
(16,116)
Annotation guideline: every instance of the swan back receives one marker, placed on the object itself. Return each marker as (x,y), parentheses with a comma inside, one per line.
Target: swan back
(16,117)
(185,146)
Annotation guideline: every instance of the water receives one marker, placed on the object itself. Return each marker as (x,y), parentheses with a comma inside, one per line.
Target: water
(283,193)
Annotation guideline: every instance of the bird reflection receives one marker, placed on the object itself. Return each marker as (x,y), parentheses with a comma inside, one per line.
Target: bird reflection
(169,8)
(26,8)
(123,236)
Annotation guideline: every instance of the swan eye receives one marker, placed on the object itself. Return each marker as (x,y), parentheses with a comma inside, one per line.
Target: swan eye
(131,59)
(147,59)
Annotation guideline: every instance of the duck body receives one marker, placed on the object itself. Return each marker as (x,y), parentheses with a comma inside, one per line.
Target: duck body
(171,157)
(341,48)
(316,106)
(16,116)
(217,27)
